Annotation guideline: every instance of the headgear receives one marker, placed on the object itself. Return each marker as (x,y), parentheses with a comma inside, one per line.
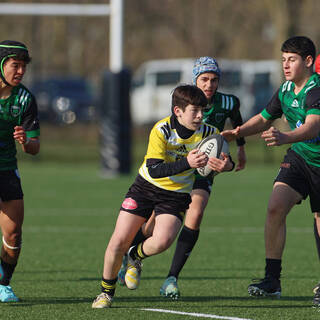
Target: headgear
(10,49)
(204,65)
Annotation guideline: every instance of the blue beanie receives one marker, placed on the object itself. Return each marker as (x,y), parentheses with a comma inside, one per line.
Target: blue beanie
(203,65)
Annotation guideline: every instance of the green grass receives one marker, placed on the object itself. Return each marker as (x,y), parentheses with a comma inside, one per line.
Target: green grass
(70,212)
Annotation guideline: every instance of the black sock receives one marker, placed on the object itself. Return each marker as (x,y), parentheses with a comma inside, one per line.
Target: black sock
(140,237)
(8,270)
(108,286)
(316,236)
(137,252)
(186,241)
(273,268)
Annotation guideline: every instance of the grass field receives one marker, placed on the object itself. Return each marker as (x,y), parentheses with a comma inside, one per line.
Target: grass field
(70,214)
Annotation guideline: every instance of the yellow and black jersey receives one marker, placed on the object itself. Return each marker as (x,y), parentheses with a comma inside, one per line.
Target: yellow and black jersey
(166,144)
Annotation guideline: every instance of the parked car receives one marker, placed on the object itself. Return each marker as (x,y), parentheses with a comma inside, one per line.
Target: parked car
(64,100)
(252,81)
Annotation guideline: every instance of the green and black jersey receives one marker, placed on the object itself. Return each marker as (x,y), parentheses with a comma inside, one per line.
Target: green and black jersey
(19,109)
(296,108)
(222,107)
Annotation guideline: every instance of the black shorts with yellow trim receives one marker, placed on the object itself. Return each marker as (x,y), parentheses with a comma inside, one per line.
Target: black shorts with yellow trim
(10,185)
(302,177)
(143,198)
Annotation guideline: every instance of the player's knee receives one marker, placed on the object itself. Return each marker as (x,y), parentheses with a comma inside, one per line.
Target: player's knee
(163,243)
(276,211)
(118,247)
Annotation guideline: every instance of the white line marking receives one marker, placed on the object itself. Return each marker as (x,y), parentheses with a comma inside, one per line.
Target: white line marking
(199,315)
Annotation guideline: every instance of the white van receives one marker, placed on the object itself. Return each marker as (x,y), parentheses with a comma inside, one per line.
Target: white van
(252,81)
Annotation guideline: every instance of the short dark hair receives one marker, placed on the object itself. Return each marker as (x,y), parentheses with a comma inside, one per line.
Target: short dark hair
(187,94)
(300,45)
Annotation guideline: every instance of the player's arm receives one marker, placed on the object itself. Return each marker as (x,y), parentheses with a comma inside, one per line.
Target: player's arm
(27,134)
(308,130)
(259,122)
(236,121)
(157,168)
(29,145)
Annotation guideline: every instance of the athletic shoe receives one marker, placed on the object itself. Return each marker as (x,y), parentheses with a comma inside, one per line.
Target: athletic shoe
(7,295)
(316,299)
(123,270)
(170,288)
(103,300)
(267,287)
(132,277)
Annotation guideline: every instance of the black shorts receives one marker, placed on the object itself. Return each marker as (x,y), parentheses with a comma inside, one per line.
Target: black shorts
(143,197)
(203,183)
(10,185)
(302,177)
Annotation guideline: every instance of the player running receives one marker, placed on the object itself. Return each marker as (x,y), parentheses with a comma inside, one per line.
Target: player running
(18,123)
(163,185)
(205,75)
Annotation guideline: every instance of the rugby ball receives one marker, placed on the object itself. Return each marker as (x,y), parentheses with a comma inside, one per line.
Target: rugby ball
(212,146)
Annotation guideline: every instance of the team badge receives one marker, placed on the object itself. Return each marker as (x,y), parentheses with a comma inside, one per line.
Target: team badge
(15,110)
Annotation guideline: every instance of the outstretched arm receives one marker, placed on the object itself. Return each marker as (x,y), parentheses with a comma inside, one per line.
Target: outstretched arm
(254,125)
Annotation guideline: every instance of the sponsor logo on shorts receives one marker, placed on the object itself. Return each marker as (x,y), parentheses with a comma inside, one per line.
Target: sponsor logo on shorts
(129,204)
(285,165)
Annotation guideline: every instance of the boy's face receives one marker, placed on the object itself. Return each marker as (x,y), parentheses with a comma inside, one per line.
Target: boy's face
(208,83)
(294,67)
(14,71)
(191,117)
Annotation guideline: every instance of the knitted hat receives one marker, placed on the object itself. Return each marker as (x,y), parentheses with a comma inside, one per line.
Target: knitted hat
(204,65)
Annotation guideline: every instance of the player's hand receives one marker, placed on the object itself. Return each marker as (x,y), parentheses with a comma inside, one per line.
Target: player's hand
(231,134)
(197,159)
(19,135)
(273,137)
(242,159)
(221,164)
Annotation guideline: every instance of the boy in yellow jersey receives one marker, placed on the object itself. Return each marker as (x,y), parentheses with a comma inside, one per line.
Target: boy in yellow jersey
(163,185)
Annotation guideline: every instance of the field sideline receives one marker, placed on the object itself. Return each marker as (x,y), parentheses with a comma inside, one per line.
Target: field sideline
(70,214)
